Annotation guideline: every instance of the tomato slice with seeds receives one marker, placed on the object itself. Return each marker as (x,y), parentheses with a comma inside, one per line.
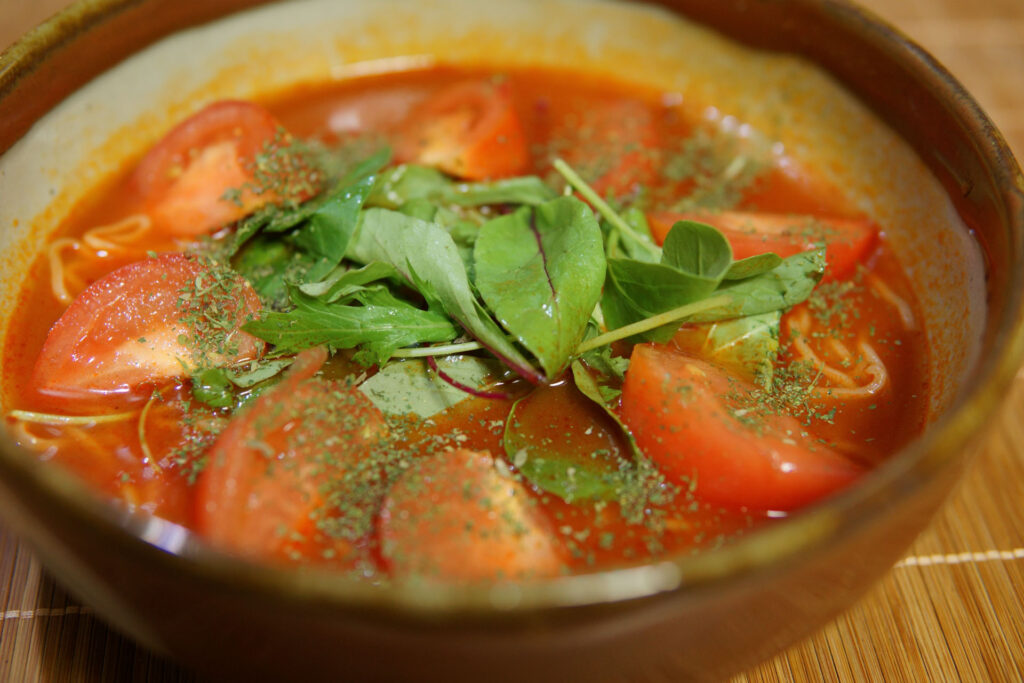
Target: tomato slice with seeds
(455,516)
(847,241)
(186,179)
(691,420)
(265,489)
(143,324)
(470,130)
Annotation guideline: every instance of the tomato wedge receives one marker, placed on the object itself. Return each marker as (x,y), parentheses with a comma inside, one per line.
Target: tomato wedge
(185,179)
(614,148)
(268,476)
(146,323)
(469,129)
(688,417)
(455,516)
(847,241)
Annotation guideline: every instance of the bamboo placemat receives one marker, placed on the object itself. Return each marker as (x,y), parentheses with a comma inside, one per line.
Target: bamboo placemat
(952,609)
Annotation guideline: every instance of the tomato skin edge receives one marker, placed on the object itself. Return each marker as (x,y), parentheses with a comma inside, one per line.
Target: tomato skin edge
(683,418)
(266,507)
(469,129)
(184,178)
(424,533)
(102,346)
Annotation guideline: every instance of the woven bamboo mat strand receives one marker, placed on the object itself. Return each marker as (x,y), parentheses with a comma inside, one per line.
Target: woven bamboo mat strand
(953,609)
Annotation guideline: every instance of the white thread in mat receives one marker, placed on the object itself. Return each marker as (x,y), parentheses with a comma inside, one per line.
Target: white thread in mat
(963,558)
(44,612)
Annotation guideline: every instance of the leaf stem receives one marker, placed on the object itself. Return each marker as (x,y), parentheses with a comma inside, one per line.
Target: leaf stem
(601,205)
(444,350)
(472,391)
(654,322)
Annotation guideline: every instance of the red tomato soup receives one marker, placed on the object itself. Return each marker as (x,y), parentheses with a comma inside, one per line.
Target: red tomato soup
(454,325)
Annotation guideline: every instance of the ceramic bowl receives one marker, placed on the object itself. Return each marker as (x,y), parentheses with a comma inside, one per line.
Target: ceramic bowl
(851,98)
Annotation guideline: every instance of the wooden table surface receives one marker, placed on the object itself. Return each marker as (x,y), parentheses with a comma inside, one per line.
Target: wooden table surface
(952,609)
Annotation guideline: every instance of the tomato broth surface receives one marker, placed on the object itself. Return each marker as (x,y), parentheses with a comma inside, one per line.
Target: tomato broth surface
(248,332)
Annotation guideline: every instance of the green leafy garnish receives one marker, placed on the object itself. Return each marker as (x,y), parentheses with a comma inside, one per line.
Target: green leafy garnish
(270,263)
(525,190)
(567,464)
(327,233)
(390,260)
(540,271)
(410,387)
(373,320)
(406,182)
(694,267)
(563,466)
(782,287)
(697,249)
(747,345)
(752,265)
(427,259)
(601,357)
(343,282)
(213,388)
(257,372)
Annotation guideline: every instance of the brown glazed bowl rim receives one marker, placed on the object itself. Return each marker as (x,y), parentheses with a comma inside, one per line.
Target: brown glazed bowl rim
(769,549)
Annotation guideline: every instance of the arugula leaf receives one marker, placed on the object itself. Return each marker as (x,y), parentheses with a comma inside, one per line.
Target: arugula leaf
(639,244)
(696,264)
(427,258)
(410,387)
(410,182)
(405,182)
(570,479)
(567,467)
(747,345)
(258,371)
(637,220)
(212,387)
(343,281)
(528,190)
(752,265)
(601,358)
(576,468)
(641,484)
(650,288)
(540,271)
(329,229)
(379,326)
(279,218)
(697,249)
(215,387)
(421,208)
(272,218)
(270,263)
(693,261)
(599,391)
(616,309)
(599,394)
(784,286)
(462,230)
